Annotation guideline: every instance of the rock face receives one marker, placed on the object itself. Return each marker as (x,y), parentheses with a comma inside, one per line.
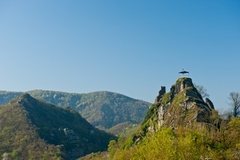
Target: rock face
(209,103)
(160,93)
(182,106)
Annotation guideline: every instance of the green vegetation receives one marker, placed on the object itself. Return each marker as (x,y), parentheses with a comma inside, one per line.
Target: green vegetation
(179,98)
(102,109)
(184,143)
(148,120)
(126,129)
(33,129)
(179,126)
(189,129)
(165,98)
(19,139)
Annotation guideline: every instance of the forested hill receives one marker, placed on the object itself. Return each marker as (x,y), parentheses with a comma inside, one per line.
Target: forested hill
(180,125)
(33,129)
(102,109)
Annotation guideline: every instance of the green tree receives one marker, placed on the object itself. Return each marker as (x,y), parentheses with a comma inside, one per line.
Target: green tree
(111,147)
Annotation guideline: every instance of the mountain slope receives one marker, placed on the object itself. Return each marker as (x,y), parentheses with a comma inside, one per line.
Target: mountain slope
(180,125)
(102,109)
(19,138)
(182,106)
(35,129)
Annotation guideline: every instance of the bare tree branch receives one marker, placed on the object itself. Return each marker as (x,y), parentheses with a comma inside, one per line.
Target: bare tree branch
(234,98)
(202,91)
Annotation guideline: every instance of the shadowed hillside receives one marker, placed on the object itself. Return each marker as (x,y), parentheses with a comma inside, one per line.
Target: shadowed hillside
(102,109)
(33,129)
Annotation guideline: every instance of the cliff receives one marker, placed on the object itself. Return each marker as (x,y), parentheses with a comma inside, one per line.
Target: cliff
(183,105)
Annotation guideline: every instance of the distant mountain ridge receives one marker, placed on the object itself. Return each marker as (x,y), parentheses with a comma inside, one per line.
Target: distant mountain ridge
(35,129)
(7,96)
(102,109)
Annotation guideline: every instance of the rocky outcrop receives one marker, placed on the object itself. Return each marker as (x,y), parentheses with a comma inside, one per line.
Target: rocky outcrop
(160,94)
(209,103)
(182,106)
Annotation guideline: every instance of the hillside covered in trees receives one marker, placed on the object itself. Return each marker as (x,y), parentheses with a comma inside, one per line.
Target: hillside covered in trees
(102,109)
(179,125)
(34,129)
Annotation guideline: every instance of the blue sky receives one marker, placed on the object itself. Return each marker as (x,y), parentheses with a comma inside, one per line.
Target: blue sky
(128,47)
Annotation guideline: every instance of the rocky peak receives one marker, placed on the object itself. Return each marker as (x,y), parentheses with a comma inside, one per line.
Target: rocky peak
(180,85)
(183,105)
(160,93)
(25,98)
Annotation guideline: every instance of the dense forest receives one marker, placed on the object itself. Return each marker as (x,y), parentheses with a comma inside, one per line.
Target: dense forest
(34,129)
(183,143)
(102,109)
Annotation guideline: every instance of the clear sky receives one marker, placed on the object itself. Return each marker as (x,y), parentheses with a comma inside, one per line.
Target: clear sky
(129,47)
